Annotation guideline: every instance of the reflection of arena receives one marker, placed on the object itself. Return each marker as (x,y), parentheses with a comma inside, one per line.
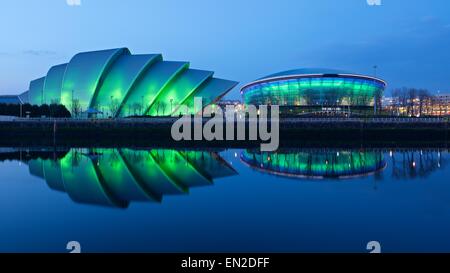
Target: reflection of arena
(316,163)
(318,91)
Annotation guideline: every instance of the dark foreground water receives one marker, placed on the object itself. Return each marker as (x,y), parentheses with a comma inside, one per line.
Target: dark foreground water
(164,200)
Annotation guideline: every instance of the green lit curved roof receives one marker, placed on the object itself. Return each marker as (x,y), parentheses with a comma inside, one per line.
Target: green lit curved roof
(35,92)
(53,84)
(117,83)
(84,75)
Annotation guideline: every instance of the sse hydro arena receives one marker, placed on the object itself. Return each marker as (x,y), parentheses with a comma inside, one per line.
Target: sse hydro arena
(115,83)
(317,92)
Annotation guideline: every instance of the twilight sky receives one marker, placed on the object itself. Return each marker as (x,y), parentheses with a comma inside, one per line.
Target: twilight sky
(240,40)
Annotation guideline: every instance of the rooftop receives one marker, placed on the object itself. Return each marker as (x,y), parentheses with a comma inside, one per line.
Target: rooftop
(306,71)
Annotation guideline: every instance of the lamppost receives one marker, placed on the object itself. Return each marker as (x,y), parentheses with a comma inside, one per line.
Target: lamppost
(142,105)
(375,98)
(72,103)
(111,108)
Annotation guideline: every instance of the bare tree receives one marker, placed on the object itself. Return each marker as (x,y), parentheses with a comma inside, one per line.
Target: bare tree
(158,104)
(163,107)
(411,98)
(113,107)
(76,107)
(424,97)
(137,108)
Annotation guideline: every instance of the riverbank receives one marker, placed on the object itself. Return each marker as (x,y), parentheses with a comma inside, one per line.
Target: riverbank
(292,130)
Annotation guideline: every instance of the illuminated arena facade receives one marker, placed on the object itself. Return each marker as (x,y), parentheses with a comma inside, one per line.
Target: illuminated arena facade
(317,91)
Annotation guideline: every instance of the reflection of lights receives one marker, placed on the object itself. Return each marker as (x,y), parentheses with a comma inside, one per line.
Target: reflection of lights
(262,166)
(235,154)
(390,153)
(439,165)
(414,164)
(268,158)
(421,152)
(326,162)
(337,154)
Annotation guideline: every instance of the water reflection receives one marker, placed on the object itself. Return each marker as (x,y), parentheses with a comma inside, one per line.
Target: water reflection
(416,164)
(316,163)
(115,177)
(345,164)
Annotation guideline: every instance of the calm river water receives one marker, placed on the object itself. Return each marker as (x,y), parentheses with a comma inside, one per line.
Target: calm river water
(212,200)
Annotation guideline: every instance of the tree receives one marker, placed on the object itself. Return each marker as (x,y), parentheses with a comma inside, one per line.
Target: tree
(411,99)
(137,108)
(113,107)
(76,108)
(163,107)
(425,98)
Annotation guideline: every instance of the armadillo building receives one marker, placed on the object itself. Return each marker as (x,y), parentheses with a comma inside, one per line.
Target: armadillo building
(318,91)
(115,83)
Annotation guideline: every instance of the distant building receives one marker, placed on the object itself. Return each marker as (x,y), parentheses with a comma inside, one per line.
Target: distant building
(438,105)
(222,104)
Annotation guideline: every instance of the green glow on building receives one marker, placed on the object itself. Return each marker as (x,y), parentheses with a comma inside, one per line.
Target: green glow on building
(35,93)
(177,91)
(313,89)
(83,76)
(53,84)
(115,83)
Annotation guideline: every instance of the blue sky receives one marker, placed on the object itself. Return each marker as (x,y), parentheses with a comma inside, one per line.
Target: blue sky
(238,39)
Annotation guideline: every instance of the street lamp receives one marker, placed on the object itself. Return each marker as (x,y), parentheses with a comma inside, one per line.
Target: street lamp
(142,105)
(111,108)
(73,110)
